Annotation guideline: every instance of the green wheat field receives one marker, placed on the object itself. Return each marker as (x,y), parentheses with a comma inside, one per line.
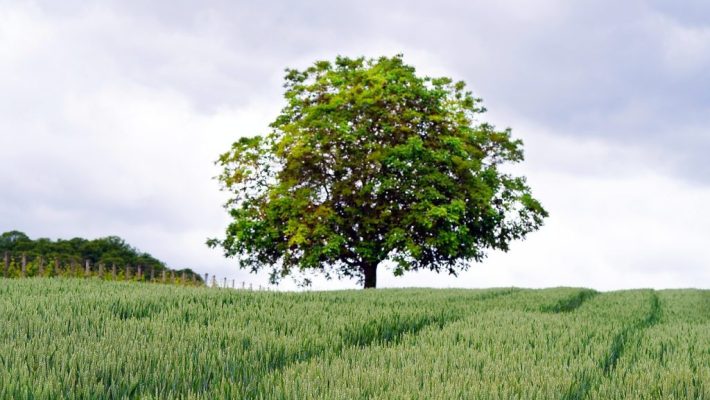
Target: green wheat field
(91,339)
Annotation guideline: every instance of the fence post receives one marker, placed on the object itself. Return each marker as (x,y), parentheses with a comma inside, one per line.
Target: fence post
(113,271)
(56,266)
(162,279)
(172,277)
(101,270)
(207,279)
(152,274)
(139,274)
(24,265)
(40,269)
(87,268)
(243,285)
(214,280)
(232,283)
(7,264)
(128,273)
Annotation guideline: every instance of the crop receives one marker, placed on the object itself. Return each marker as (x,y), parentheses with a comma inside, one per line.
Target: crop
(87,339)
(671,359)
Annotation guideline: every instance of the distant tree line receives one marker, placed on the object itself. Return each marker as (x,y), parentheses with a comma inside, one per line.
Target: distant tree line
(108,255)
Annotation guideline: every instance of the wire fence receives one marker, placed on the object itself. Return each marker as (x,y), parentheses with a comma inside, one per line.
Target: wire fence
(227,283)
(24,265)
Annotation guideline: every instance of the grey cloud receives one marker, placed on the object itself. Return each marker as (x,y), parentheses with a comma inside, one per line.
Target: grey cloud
(89,90)
(616,70)
(687,12)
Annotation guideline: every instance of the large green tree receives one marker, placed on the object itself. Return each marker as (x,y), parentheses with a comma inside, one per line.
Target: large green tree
(370,163)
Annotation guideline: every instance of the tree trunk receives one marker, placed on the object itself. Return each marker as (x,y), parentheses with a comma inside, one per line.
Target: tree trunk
(369,270)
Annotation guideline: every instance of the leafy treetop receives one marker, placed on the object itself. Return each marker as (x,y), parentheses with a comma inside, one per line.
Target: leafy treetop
(369,162)
(108,250)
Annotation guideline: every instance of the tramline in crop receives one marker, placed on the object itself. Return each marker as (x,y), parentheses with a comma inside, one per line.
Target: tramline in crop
(85,339)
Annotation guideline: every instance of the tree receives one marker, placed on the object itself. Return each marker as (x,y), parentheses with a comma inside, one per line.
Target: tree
(368,163)
(12,239)
(108,250)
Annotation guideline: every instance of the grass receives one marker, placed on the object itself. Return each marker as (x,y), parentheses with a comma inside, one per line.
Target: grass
(87,339)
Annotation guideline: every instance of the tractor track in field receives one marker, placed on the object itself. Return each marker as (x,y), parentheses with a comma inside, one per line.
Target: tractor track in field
(395,333)
(584,383)
(394,336)
(351,338)
(571,303)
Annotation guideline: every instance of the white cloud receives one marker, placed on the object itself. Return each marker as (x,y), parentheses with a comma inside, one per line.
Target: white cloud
(686,48)
(634,230)
(112,114)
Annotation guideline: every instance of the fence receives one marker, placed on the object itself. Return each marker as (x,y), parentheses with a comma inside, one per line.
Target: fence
(25,266)
(225,284)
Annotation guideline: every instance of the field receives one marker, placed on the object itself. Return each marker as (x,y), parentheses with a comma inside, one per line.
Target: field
(88,339)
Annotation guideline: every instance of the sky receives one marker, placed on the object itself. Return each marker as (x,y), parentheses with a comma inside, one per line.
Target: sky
(113,112)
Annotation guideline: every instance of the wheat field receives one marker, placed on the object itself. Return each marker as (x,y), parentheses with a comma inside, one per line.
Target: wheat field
(88,339)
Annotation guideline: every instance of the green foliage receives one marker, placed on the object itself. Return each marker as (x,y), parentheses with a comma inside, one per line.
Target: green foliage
(79,339)
(367,163)
(45,257)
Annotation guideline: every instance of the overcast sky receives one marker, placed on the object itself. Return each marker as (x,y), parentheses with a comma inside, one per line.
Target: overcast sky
(112,113)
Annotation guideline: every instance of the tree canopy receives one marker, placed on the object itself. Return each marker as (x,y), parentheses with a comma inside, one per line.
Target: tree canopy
(370,163)
(108,250)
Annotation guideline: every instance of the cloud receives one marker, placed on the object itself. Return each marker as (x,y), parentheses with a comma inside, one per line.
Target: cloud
(112,113)
(635,229)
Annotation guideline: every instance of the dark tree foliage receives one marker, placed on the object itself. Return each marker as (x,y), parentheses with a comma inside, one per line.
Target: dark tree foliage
(369,162)
(108,250)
